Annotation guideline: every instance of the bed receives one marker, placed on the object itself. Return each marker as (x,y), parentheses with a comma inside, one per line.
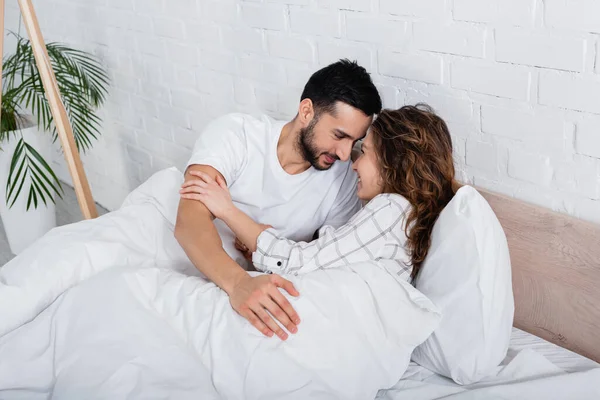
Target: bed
(556,268)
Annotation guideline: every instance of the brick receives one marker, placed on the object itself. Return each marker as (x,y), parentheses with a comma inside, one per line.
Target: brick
(389,96)
(292,48)
(417,8)
(450,108)
(244,91)
(329,52)
(149,143)
(186,99)
(150,45)
(264,16)
(206,35)
(185,77)
(182,54)
(315,23)
(519,46)
(521,125)
(502,12)
(214,83)
(288,102)
(580,176)
(261,69)
(497,80)
(266,99)
(457,38)
(571,91)
(144,106)
(354,5)
(418,67)
(580,15)
(149,7)
(483,156)
(176,153)
(137,155)
(529,167)
(172,116)
(245,40)
(223,11)
(376,30)
(169,28)
(156,127)
(185,137)
(587,137)
(183,9)
(217,61)
(298,75)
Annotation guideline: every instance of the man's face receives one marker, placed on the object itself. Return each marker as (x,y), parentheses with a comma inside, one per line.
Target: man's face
(333,135)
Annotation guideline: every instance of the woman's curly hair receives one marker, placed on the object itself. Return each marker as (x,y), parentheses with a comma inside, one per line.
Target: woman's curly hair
(415,154)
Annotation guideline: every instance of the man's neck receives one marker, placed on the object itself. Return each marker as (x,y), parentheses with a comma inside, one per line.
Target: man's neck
(288,153)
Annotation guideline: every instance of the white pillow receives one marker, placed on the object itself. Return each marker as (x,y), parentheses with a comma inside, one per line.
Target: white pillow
(467,274)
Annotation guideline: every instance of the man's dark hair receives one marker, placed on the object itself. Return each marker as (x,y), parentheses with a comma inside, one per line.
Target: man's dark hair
(344,81)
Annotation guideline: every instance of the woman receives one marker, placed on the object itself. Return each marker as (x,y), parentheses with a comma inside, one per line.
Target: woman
(405,174)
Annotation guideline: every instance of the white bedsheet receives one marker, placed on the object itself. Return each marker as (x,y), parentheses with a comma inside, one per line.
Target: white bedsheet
(98,310)
(101,310)
(533,369)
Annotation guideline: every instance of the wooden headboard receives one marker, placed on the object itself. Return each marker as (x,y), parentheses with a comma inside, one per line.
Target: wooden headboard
(556,273)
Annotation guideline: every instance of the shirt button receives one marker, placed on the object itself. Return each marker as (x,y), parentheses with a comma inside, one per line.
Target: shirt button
(279,263)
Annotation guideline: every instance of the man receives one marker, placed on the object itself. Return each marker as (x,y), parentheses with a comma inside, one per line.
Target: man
(283,174)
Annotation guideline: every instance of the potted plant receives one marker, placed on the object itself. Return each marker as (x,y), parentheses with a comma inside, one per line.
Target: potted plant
(27,206)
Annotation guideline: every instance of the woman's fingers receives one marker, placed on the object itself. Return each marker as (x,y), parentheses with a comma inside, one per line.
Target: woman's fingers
(195,182)
(193,196)
(205,177)
(221,182)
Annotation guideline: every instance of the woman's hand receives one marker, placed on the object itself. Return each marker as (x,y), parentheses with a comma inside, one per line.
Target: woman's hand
(213,194)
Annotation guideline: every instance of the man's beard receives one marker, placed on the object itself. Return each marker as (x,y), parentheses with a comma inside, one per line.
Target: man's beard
(306,143)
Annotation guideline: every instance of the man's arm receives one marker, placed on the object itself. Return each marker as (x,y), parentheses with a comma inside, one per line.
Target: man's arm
(250,297)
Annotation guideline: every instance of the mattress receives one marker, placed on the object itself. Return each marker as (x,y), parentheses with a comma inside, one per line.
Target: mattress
(533,369)
(564,359)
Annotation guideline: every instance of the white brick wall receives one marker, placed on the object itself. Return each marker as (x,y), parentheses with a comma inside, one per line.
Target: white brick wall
(518,81)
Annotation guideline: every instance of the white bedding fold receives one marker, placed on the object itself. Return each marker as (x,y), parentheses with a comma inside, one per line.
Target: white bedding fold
(101,309)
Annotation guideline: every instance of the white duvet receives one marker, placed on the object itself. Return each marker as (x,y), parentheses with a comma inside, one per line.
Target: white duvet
(112,309)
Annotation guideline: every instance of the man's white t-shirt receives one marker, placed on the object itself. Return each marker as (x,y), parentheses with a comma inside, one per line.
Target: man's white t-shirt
(243,148)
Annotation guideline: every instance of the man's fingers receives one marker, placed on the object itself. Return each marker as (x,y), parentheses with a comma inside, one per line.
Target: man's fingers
(281,309)
(267,320)
(287,308)
(257,323)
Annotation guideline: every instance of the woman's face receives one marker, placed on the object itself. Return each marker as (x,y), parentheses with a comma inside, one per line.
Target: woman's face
(370,183)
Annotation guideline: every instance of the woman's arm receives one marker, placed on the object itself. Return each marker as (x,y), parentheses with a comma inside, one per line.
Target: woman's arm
(215,196)
(361,239)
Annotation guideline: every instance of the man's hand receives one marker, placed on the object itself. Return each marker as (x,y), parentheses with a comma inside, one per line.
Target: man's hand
(252,297)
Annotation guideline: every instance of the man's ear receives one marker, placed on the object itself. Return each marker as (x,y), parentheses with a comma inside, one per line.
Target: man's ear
(306,112)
